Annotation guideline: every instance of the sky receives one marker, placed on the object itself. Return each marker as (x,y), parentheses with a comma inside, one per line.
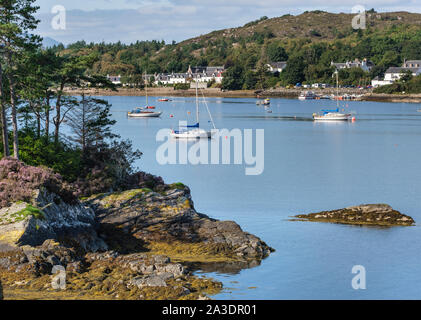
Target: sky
(131,20)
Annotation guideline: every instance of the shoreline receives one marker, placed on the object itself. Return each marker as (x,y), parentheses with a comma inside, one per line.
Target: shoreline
(367,95)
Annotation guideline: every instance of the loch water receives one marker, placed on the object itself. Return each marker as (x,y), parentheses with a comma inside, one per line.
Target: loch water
(308,167)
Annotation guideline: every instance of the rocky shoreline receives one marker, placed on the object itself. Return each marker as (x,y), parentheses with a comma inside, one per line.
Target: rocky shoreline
(367,95)
(136,244)
(365,214)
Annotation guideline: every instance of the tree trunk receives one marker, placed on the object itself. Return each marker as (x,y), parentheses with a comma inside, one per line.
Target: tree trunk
(47,117)
(13,105)
(3,118)
(38,125)
(14,119)
(57,119)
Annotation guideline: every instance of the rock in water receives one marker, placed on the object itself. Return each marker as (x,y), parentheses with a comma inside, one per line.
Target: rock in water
(365,214)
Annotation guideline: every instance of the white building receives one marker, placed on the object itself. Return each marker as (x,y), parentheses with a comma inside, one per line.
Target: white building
(395,73)
(202,74)
(207,74)
(365,64)
(114,79)
(276,66)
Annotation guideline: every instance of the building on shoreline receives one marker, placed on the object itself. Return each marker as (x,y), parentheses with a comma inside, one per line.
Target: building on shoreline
(199,73)
(114,79)
(276,66)
(365,64)
(395,73)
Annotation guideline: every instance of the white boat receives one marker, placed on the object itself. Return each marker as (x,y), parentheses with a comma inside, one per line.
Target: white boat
(194,131)
(307,95)
(332,115)
(145,112)
(265,102)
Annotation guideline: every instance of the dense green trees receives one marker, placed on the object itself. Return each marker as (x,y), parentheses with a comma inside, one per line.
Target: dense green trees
(32,88)
(16,23)
(387,46)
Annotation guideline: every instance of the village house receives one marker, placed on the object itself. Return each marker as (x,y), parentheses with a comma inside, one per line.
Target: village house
(276,66)
(206,74)
(365,64)
(114,79)
(395,73)
(412,64)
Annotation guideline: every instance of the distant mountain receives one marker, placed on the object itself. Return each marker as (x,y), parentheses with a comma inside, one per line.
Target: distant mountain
(48,42)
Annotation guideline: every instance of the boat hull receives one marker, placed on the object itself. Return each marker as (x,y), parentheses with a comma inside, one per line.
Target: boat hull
(192,134)
(144,114)
(339,117)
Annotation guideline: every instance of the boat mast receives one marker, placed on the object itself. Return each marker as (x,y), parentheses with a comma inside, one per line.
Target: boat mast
(197,101)
(146,88)
(337,88)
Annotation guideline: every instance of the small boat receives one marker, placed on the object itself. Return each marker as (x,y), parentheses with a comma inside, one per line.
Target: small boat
(164,100)
(307,95)
(194,131)
(145,112)
(265,102)
(329,115)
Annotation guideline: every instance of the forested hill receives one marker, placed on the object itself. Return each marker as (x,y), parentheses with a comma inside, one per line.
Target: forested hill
(309,42)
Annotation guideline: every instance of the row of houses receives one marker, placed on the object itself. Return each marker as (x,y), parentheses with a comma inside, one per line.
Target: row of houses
(364,64)
(193,74)
(395,73)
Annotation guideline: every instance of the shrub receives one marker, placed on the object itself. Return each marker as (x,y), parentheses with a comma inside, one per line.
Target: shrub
(18,182)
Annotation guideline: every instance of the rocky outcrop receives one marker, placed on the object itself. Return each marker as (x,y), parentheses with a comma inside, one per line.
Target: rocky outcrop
(47,216)
(166,222)
(365,214)
(101,275)
(136,244)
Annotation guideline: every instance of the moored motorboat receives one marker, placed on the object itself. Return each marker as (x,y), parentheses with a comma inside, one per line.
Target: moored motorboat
(307,95)
(265,102)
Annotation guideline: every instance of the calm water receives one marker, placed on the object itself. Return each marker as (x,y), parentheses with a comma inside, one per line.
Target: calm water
(309,167)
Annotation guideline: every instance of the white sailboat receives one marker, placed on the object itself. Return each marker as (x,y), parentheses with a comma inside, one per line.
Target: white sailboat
(147,111)
(194,131)
(332,115)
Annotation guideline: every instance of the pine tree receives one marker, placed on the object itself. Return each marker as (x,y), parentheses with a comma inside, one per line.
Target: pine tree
(16,21)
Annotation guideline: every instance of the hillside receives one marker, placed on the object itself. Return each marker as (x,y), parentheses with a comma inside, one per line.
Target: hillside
(309,42)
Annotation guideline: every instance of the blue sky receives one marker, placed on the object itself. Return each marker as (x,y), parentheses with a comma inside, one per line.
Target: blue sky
(131,20)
